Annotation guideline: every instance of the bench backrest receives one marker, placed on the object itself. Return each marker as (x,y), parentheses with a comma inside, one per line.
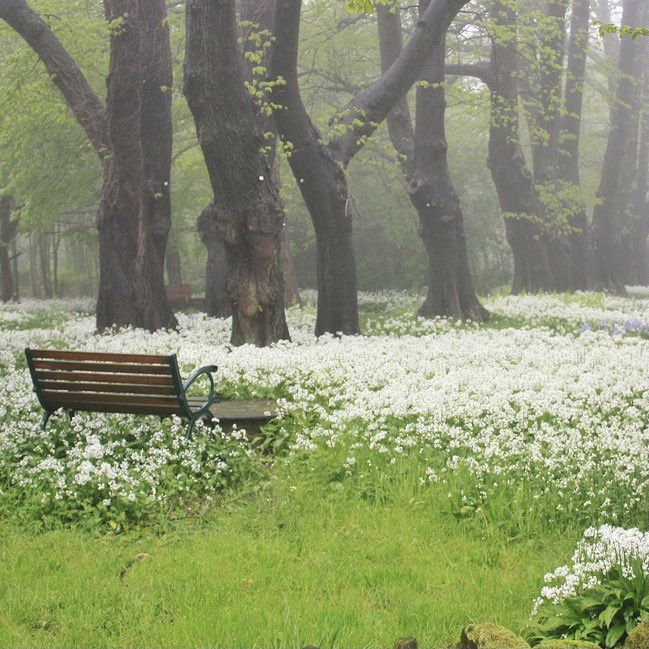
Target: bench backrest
(179,293)
(98,382)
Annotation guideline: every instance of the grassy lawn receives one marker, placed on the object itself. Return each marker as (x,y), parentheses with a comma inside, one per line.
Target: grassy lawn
(275,571)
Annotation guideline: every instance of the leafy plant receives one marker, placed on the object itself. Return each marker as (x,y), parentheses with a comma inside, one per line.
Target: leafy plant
(605,614)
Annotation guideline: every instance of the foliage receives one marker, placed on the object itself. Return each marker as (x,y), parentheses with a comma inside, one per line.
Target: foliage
(602,596)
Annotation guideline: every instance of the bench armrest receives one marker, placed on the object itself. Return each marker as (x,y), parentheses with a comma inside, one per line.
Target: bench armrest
(208,369)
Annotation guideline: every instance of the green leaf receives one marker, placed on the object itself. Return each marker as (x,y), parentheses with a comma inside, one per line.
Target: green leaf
(614,634)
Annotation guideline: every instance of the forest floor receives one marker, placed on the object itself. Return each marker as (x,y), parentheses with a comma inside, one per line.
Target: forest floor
(424,476)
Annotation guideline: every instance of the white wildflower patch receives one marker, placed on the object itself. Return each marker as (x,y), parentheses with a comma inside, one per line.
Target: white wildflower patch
(551,422)
(601,551)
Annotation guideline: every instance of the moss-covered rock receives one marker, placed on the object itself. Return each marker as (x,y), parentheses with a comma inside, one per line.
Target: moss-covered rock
(639,637)
(490,636)
(406,642)
(566,643)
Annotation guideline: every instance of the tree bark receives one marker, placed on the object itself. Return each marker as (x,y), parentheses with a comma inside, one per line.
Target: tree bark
(8,231)
(579,237)
(546,89)
(319,168)
(246,203)
(174,267)
(522,211)
(132,137)
(423,155)
(134,211)
(634,256)
(607,237)
(217,300)
(322,182)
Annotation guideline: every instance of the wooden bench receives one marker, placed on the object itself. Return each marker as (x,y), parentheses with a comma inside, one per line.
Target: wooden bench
(131,383)
(179,295)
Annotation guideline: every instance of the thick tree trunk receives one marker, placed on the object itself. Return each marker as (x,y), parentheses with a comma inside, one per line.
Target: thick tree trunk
(8,231)
(423,152)
(523,214)
(322,183)
(568,171)
(246,207)
(134,212)
(607,235)
(291,288)
(132,137)
(547,98)
(634,262)
(217,300)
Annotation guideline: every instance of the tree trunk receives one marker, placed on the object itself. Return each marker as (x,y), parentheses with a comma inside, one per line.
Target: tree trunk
(580,244)
(546,88)
(522,211)
(8,231)
(132,137)
(450,287)
(291,288)
(134,214)
(174,268)
(319,168)
(322,183)
(44,265)
(607,235)
(612,52)
(634,260)
(246,206)
(217,300)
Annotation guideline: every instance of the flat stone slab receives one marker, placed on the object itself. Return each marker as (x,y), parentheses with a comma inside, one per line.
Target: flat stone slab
(235,411)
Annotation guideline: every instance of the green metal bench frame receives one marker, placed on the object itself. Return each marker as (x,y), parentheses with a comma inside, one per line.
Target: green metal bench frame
(59,359)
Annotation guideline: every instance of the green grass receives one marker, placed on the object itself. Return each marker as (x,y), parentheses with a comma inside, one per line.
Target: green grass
(283,568)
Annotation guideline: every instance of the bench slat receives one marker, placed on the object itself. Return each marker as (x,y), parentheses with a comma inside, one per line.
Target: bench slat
(57,354)
(90,366)
(140,379)
(78,386)
(63,398)
(125,408)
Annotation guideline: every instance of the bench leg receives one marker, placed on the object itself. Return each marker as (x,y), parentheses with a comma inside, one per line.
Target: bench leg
(46,415)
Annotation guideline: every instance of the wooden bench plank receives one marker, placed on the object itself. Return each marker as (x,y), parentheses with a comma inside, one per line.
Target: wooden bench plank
(141,379)
(91,366)
(57,354)
(78,386)
(63,398)
(122,408)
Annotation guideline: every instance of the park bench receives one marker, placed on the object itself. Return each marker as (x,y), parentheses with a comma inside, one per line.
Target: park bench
(134,383)
(179,295)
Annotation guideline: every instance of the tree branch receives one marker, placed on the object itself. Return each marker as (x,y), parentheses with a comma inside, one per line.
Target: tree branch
(372,105)
(480,71)
(398,120)
(81,99)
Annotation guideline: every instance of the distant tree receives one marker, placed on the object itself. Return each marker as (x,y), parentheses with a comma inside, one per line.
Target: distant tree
(9,224)
(608,213)
(423,153)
